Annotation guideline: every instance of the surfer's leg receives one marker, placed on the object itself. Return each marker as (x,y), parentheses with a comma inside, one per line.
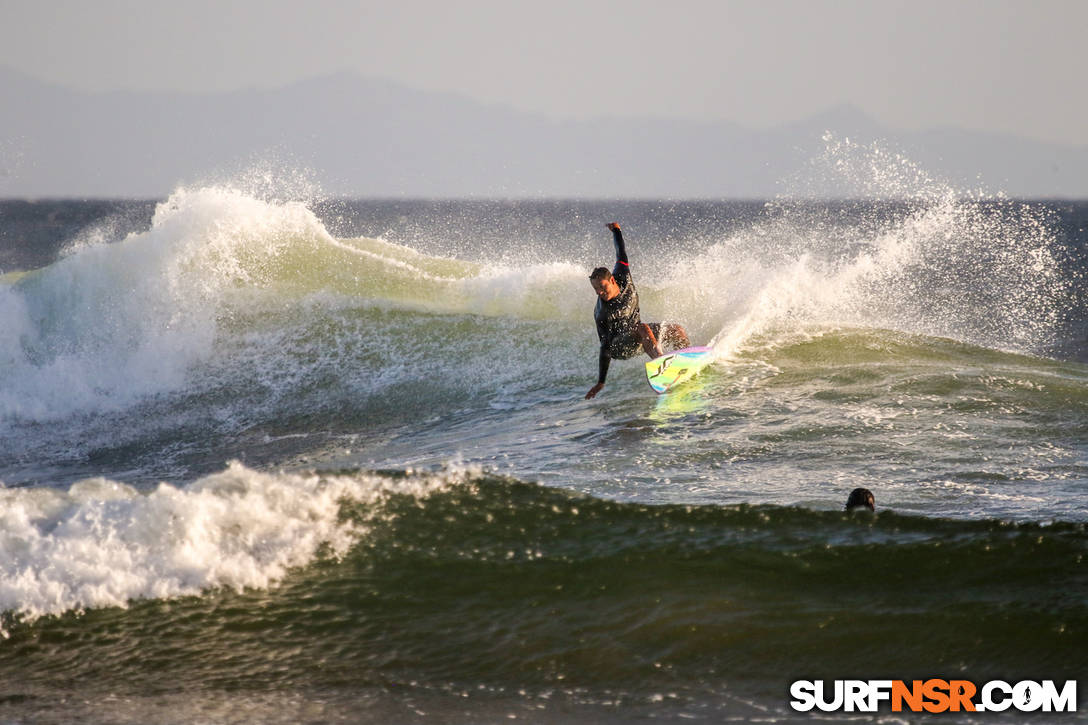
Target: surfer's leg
(649,341)
(674,337)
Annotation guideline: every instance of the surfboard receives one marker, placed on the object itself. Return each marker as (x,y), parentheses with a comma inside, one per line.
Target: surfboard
(674,368)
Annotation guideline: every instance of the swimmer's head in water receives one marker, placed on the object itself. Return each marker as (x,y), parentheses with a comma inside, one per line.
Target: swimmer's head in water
(861,498)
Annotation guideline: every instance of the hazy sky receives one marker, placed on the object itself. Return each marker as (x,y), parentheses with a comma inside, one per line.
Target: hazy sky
(997,65)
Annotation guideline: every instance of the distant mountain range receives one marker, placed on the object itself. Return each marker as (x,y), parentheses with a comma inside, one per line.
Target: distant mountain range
(362,137)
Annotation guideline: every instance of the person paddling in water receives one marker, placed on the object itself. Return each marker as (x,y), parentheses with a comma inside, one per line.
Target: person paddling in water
(622,333)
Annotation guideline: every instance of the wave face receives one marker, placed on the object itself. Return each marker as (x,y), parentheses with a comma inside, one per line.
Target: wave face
(218,269)
(421,514)
(222,274)
(463,582)
(234,326)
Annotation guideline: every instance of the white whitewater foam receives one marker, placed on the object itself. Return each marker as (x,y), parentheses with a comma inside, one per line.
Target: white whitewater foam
(978,270)
(102,543)
(110,323)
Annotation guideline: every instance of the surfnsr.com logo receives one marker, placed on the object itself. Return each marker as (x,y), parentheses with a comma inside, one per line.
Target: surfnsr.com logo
(933,695)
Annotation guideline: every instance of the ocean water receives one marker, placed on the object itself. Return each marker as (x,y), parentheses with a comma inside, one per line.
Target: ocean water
(271,458)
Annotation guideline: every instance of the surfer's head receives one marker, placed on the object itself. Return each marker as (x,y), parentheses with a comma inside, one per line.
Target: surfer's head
(604,284)
(861,498)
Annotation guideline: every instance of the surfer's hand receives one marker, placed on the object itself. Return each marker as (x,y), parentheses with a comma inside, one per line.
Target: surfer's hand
(594,390)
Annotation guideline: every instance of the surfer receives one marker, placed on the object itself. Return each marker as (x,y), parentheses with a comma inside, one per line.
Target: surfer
(621,332)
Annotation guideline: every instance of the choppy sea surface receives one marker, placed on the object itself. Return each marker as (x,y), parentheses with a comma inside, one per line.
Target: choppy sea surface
(277,459)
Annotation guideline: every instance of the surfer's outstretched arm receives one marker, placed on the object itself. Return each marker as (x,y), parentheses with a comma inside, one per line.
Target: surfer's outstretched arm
(602,372)
(622,262)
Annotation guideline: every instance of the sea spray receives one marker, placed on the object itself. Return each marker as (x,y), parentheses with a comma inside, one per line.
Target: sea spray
(907,253)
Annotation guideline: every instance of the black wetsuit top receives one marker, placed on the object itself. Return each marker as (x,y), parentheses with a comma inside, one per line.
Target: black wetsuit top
(616,318)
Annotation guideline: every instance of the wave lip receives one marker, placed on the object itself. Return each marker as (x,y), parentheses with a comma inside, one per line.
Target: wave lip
(103,544)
